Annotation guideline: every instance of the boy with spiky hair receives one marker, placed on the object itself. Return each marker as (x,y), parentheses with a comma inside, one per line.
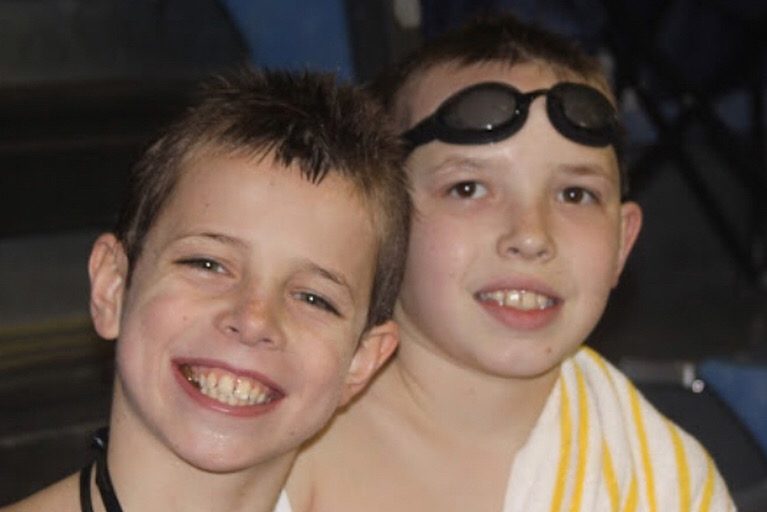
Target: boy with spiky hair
(250,285)
(521,230)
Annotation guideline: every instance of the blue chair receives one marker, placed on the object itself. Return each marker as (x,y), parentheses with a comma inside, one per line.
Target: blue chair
(743,387)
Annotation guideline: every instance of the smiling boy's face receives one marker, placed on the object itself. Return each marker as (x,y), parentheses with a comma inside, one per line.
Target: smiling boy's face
(238,333)
(515,245)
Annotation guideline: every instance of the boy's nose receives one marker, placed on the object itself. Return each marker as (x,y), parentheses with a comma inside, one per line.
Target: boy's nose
(251,320)
(527,236)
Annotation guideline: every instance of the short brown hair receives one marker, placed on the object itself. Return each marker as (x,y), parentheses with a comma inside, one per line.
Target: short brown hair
(307,119)
(498,38)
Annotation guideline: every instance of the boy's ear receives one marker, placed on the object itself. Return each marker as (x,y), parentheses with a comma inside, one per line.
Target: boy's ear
(375,348)
(631,224)
(107,268)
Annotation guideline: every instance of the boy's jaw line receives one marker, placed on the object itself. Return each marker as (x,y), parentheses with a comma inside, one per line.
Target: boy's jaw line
(219,387)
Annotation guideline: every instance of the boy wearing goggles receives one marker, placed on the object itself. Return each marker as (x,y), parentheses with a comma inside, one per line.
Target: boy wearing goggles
(519,234)
(243,319)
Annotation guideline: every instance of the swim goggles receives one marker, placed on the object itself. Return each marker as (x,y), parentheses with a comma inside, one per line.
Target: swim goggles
(492,111)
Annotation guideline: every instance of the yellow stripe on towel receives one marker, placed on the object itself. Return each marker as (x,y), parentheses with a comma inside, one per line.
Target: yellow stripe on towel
(566,436)
(645,452)
(583,440)
(683,469)
(708,487)
(631,499)
(610,480)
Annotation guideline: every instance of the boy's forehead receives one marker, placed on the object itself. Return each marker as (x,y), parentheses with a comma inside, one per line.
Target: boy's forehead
(196,183)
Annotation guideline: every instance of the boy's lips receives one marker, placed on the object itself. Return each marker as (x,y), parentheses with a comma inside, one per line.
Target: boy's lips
(519,307)
(227,390)
(525,300)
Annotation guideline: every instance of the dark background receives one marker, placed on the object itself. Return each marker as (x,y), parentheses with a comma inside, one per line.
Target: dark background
(85,84)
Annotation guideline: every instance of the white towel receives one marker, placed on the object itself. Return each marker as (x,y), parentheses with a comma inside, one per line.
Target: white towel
(283,505)
(600,446)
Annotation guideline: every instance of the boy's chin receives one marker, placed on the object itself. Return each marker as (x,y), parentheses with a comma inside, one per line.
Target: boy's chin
(223,459)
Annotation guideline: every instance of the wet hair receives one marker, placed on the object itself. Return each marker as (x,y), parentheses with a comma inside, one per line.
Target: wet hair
(498,38)
(304,119)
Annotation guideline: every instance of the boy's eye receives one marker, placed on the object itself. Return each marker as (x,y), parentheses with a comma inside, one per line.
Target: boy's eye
(318,302)
(578,195)
(203,264)
(468,190)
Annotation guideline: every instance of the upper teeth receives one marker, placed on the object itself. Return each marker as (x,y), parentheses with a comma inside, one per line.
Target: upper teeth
(228,388)
(519,299)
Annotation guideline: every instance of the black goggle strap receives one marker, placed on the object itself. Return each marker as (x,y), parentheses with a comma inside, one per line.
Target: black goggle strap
(420,134)
(432,128)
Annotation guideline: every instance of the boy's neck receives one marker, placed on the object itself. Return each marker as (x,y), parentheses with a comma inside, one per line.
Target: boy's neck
(148,477)
(437,391)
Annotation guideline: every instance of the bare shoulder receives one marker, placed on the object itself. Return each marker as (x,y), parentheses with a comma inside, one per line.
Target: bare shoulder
(63,496)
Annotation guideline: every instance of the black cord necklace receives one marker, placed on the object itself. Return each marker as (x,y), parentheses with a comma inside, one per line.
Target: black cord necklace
(103,480)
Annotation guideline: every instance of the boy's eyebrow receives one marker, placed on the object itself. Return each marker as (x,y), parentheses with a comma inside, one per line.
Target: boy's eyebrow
(330,275)
(595,170)
(216,237)
(219,237)
(453,161)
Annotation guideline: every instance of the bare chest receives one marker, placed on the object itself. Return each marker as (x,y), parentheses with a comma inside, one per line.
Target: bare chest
(380,475)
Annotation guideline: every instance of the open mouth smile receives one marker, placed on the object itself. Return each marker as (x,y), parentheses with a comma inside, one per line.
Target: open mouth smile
(524,300)
(229,388)
(520,308)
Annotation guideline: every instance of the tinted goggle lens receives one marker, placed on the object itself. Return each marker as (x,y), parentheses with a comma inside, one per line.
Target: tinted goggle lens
(583,114)
(492,111)
(480,109)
